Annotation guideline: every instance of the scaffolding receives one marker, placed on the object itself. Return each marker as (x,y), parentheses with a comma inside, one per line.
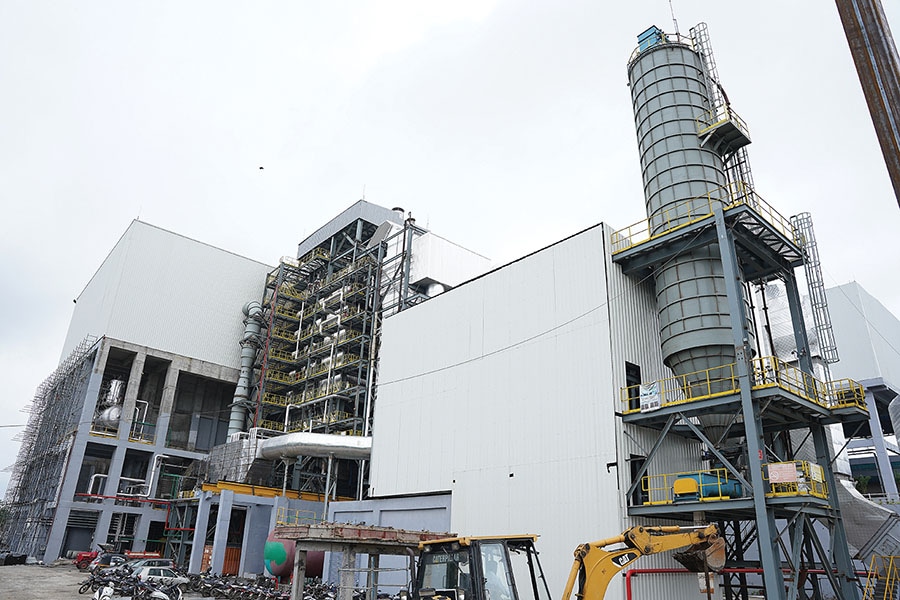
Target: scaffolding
(317,356)
(46,442)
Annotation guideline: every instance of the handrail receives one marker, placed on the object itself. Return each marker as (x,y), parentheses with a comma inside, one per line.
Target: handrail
(696,209)
(783,479)
(884,573)
(712,484)
(717,115)
(765,372)
(795,478)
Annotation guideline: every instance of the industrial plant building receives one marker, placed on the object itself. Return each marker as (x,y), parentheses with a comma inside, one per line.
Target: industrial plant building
(385,375)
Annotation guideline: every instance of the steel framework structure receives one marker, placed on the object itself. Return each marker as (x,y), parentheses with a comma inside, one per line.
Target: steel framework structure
(764,400)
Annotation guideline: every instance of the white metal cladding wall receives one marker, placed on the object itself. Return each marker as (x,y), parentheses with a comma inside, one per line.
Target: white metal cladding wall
(501,391)
(866,333)
(635,338)
(169,292)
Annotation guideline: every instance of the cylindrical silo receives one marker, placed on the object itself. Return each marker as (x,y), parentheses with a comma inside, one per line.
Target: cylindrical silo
(682,180)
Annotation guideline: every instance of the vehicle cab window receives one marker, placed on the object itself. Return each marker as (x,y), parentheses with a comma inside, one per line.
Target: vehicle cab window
(447,571)
(495,566)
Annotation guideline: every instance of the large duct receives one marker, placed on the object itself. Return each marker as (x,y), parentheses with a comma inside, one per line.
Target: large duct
(249,343)
(305,443)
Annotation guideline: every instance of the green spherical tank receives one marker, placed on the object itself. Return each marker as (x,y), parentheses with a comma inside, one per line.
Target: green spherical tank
(278,556)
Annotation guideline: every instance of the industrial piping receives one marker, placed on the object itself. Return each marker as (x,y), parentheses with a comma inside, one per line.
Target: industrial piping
(249,342)
(322,445)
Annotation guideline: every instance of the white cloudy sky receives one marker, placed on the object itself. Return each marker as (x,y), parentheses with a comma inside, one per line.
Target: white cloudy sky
(502,125)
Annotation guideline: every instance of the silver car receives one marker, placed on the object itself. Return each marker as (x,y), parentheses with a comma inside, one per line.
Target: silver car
(159,576)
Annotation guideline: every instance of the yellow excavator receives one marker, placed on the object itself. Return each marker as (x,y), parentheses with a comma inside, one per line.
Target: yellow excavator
(507,567)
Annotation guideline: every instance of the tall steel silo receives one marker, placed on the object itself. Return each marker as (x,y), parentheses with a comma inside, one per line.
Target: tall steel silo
(682,179)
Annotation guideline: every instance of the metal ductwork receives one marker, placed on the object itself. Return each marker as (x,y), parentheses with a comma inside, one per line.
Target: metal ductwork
(323,445)
(253,323)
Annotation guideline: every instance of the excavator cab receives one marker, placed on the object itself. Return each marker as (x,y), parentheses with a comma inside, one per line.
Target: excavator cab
(480,568)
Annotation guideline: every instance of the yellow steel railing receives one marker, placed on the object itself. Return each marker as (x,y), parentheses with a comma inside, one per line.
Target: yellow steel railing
(285,312)
(274,399)
(765,372)
(693,210)
(283,333)
(313,254)
(718,115)
(711,484)
(295,516)
(281,355)
(882,581)
(681,389)
(273,425)
(795,478)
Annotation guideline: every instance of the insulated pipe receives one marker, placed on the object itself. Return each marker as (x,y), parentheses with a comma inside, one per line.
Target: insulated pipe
(322,445)
(249,342)
(156,460)
(94,478)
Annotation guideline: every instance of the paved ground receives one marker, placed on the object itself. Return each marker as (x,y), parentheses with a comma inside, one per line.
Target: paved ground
(36,582)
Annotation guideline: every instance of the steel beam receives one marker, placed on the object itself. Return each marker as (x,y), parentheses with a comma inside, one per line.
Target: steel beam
(765,521)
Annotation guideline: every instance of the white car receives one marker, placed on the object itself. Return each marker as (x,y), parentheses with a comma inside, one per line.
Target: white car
(159,576)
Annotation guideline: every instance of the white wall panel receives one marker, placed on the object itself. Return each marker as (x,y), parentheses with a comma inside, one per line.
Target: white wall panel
(866,333)
(518,394)
(503,391)
(169,292)
(439,259)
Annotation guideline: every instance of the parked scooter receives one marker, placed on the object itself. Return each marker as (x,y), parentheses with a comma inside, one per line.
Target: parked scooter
(104,592)
(146,591)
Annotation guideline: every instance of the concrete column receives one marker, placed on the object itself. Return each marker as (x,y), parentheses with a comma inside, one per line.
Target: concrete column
(299,579)
(69,481)
(101,531)
(280,502)
(200,525)
(347,576)
(223,520)
(131,393)
(167,402)
(114,473)
(882,460)
(141,531)
(256,530)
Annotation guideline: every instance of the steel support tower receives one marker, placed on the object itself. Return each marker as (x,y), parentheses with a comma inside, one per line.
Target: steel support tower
(756,421)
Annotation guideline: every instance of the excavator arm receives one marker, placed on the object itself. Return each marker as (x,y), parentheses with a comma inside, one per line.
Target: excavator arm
(595,564)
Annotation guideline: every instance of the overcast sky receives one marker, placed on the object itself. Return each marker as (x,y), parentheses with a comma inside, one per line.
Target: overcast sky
(502,125)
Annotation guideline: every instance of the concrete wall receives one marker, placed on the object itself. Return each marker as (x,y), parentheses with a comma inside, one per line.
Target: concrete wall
(163,290)
(504,390)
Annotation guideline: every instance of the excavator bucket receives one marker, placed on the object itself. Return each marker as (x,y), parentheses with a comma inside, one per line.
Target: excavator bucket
(708,555)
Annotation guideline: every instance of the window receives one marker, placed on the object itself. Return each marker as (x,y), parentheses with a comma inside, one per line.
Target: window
(494,565)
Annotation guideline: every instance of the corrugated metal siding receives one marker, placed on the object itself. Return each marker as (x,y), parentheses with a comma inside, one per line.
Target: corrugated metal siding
(502,391)
(169,292)
(864,330)
(358,210)
(635,338)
